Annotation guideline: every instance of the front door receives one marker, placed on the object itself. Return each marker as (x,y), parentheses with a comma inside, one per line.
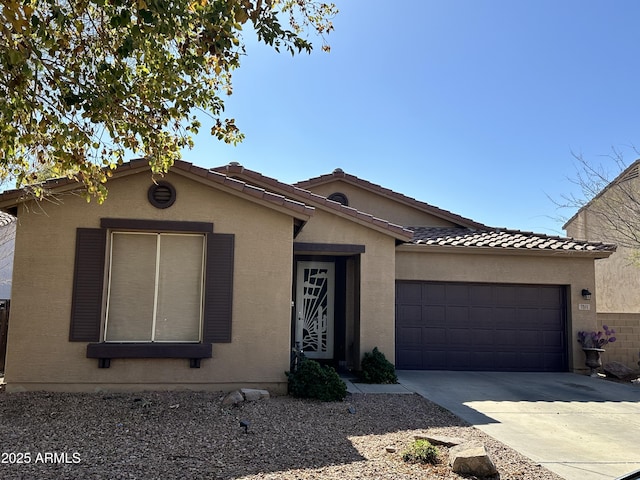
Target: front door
(315,286)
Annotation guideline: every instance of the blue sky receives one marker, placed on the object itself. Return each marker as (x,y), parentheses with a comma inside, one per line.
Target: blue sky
(473,106)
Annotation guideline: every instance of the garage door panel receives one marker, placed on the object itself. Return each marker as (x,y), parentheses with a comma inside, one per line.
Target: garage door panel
(528,317)
(504,337)
(527,295)
(551,317)
(434,315)
(459,360)
(409,294)
(412,314)
(525,339)
(457,316)
(410,336)
(465,326)
(503,317)
(457,294)
(457,337)
(411,358)
(434,294)
(550,297)
(553,340)
(482,358)
(480,295)
(481,315)
(434,336)
(482,337)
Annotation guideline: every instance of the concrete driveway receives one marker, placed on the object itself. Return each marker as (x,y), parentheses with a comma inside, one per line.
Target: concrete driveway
(579,427)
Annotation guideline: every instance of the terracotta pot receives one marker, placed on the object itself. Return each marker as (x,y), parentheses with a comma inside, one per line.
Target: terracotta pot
(593,360)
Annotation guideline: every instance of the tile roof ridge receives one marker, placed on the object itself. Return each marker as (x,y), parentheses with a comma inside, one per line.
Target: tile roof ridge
(237,169)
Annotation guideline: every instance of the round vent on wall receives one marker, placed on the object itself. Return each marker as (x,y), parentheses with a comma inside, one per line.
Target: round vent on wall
(162,194)
(340,198)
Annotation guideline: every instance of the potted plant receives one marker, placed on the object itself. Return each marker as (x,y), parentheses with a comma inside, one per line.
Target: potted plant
(592,346)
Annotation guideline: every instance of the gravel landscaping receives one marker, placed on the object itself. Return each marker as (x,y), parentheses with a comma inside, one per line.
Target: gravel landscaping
(190,435)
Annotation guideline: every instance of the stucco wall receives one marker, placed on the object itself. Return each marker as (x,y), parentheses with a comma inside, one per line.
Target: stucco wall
(417,263)
(40,356)
(377,269)
(626,348)
(617,277)
(379,206)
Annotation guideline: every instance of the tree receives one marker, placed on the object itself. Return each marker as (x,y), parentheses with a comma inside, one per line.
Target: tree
(86,81)
(609,197)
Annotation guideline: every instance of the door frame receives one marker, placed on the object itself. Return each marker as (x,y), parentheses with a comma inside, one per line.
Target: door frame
(346,332)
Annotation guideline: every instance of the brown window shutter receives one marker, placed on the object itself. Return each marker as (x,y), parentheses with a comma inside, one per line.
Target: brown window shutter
(218,288)
(88,279)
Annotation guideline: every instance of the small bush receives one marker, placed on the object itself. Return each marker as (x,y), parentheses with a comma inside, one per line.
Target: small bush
(421,451)
(377,369)
(311,380)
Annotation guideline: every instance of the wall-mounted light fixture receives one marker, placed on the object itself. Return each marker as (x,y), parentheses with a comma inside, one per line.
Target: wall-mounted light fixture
(586,294)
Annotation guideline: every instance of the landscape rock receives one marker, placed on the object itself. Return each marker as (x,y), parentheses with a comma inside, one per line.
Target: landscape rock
(440,440)
(390,449)
(254,394)
(618,370)
(471,459)
(233,398)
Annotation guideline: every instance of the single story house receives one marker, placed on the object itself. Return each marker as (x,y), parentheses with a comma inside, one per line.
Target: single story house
(206,279)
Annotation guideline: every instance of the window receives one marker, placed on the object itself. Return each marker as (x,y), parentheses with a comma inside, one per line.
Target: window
(340,198)
(152,295)
(155,287)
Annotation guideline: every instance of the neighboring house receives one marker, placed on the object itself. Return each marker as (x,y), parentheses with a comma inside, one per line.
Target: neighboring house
(614,216)
(7,240)
(208,278)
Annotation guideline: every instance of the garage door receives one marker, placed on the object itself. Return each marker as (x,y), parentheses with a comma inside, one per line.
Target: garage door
(476,326)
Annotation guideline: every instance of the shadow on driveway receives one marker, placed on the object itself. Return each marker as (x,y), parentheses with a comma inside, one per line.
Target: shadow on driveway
(580,427)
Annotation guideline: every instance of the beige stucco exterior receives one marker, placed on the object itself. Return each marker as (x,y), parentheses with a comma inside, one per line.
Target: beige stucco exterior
(40,355)
(377,267)
(617,277)
(381,206)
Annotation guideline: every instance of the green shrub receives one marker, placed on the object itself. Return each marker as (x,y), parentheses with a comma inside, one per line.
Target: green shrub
(377,369)
(311,380)
(421,451)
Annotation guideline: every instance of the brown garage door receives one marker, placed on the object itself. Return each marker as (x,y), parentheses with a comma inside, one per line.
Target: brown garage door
(476,326)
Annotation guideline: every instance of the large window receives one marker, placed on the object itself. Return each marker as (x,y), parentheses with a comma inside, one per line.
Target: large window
(155,287)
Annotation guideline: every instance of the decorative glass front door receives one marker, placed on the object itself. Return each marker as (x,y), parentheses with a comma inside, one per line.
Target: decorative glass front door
(315,285)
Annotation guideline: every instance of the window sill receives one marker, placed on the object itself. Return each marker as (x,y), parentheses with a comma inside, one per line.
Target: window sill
(104,352)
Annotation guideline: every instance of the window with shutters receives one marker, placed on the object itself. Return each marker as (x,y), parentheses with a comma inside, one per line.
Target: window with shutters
(155,287)
(152,289)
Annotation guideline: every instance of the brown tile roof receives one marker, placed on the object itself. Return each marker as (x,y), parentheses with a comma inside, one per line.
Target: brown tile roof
(12,197)
(235,169)
(339,174)
(503,239)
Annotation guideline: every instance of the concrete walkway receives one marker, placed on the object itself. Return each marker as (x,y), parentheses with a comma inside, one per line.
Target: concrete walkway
(355,387)
(579,427)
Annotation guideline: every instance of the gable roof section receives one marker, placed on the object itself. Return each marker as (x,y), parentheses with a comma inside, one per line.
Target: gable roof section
(339,174)
(629,173)
(236,170)
(507,240)
(295,208)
